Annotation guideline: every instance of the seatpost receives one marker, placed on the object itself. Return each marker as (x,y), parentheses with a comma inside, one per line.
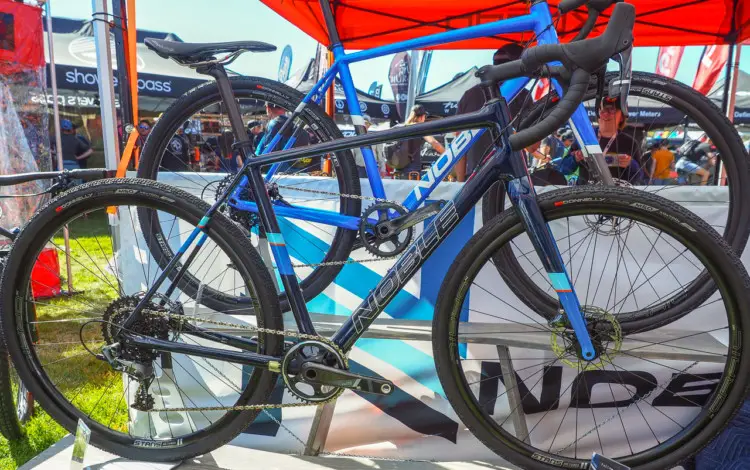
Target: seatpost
(219,74)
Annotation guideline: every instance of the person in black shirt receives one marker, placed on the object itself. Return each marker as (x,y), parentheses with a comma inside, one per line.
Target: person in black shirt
(176,156)
(255,132)
(278,118)
(621,151)
(73,148)
(473,100)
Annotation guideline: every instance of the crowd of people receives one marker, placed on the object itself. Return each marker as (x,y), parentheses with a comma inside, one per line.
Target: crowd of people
(557,159)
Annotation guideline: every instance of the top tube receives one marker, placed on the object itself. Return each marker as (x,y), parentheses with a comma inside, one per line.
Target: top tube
(537,20)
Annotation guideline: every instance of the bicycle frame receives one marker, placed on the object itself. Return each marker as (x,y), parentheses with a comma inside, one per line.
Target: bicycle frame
(503,165)
(539,21)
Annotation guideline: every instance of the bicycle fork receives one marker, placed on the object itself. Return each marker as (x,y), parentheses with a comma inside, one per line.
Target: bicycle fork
(523,197)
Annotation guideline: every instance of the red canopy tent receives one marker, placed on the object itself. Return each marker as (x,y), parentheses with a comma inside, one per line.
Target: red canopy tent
(364,24)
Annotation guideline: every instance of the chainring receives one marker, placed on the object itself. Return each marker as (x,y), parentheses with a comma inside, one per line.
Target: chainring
(245,219)
(374,236)
(310,351)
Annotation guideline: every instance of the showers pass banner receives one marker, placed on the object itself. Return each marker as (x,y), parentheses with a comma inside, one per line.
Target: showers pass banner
(416,421)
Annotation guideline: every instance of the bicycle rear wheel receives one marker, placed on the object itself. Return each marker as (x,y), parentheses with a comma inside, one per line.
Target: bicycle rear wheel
(317,249)
(162,407)
(651,399)
(668,107)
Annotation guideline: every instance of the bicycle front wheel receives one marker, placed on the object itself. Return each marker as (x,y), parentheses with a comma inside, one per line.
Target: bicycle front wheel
(318,250)
(651,398)
(660,108)
(139,403)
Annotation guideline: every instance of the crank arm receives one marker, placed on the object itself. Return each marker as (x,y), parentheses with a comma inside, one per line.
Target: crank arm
(411,219)
(319,374)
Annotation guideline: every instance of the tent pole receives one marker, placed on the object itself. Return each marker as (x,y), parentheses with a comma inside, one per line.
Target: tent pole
(735,78)
(411,95)
(727,80)
(58,139)
(106,84)
(119,11)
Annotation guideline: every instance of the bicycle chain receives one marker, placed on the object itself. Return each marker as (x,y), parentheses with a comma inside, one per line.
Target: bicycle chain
(350,196)
(255,329)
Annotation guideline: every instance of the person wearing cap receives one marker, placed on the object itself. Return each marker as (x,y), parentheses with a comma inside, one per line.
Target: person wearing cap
(418,115)
(552,145)
(473,100)
(255,133)
(73,149)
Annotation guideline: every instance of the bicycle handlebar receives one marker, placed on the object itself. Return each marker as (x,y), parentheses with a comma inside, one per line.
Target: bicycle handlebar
(594,7)
(566,6)
(582,58)
(91,174)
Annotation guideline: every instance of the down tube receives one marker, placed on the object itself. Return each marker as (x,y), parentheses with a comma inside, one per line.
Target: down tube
(418,252)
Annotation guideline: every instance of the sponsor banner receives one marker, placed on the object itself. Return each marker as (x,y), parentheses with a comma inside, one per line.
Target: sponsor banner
(668,60)
(86,79)
(712,63)
(416,421)
(285,64)
(374,110)
(398,77)
(375,90)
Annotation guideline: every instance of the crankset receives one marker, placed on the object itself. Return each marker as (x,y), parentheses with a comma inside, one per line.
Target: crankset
(320,374)
(391,236)
(404,222)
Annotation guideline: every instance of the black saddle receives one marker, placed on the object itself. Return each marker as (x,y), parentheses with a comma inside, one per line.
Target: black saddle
(188,52)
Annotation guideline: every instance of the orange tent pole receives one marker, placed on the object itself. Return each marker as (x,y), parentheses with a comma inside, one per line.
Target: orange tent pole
(327,167)
(329,92)
(132,59)
(132,69)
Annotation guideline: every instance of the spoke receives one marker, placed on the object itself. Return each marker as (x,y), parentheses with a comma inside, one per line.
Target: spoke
(514,308)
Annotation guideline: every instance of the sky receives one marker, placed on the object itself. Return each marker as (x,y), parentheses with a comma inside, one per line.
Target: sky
(235,20)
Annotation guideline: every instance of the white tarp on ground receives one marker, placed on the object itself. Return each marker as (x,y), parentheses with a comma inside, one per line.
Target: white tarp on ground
(416,421)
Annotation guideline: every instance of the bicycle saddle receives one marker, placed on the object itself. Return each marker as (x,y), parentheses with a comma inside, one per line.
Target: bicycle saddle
(197,52)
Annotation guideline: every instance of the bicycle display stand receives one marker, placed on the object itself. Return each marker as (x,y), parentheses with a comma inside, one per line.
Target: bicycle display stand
(421,330)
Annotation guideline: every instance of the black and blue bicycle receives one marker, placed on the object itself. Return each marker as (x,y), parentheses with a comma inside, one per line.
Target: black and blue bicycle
(327,222)
(158,372)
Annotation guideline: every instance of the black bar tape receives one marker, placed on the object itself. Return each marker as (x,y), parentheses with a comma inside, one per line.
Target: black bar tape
(89,174)
(568,5)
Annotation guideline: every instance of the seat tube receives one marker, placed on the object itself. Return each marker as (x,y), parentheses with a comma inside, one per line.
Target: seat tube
(280,253)
(371,164)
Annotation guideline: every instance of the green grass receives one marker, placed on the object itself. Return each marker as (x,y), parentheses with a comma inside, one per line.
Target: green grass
(91,384)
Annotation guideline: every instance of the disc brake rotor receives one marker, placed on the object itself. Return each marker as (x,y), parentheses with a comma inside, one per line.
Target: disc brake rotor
(606,335)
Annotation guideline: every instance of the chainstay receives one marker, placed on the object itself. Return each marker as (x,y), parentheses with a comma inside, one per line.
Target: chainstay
(254,329)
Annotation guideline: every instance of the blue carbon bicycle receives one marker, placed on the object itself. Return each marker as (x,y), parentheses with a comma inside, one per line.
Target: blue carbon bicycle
(157,376)
(323,219)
